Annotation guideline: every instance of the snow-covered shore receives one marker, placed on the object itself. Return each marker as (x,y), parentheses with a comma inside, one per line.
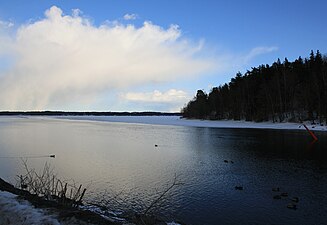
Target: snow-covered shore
(17,211)
(14,210)
(177,121)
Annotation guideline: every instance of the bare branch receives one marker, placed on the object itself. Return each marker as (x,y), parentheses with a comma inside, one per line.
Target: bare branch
(157,200)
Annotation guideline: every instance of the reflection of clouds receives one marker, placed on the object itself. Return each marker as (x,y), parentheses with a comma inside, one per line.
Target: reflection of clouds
(121,158)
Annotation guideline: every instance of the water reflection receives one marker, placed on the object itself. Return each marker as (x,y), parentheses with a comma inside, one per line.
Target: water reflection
(122,160)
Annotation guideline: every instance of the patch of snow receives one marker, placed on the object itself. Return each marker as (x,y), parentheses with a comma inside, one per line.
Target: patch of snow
(173,223)
(19,212)
(107,214)
(177,121)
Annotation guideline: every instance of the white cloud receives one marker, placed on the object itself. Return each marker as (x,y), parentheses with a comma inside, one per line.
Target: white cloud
(259,51)
(76,12)
(6,24)
(64,59)
(130,16)
(172,96)
(172,100)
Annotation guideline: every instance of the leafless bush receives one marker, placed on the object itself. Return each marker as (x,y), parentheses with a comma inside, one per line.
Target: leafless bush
(148,217)
(156,202)
(47,184)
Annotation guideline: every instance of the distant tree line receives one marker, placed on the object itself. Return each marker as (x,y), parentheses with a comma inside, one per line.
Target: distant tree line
(288,91)
(63,113)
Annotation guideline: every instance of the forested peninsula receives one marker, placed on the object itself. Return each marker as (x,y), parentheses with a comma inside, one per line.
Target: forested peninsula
(281,92)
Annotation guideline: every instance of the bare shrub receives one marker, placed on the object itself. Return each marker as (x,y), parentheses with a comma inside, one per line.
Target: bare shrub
(46,184)
(156,202)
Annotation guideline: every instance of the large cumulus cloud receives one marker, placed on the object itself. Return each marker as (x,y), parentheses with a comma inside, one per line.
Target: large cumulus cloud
(62,59)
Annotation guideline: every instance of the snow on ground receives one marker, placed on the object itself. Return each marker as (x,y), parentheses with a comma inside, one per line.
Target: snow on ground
(177,121)
(19,212)
(16,211)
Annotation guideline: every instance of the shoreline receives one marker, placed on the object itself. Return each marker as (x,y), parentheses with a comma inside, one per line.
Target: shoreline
(19,206)
(177,121)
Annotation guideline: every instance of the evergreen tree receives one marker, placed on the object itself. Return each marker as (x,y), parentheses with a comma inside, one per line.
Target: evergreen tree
(288,91)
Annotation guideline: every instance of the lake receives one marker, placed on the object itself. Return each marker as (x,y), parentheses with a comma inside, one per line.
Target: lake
(121,162)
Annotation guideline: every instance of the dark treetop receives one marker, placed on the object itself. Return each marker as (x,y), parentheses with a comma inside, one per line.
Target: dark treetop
(288,91)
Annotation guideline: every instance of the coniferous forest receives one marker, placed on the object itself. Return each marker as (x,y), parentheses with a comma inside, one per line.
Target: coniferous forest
(284,91)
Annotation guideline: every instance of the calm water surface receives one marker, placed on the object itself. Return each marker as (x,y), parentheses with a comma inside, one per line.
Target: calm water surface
(121,160)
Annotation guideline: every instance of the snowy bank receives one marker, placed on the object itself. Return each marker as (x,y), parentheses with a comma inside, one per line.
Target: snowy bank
(177,121)
(17,211)
(19,206)
(14,210)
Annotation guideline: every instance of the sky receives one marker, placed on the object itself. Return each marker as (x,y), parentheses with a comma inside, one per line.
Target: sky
(143,55)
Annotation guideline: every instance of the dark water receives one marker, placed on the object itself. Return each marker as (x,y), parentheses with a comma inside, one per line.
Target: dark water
(119,162)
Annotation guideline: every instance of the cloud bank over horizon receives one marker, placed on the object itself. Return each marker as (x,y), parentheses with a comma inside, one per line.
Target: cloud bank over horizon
(62,59)
(173,99)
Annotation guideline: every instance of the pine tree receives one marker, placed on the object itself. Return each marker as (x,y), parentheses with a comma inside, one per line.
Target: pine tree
(285,91)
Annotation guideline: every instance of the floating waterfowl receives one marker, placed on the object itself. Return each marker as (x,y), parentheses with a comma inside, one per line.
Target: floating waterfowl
(155,145)
(231,162)
(225,161)
(295,199)
(291,206)
(284,194)
(239,188)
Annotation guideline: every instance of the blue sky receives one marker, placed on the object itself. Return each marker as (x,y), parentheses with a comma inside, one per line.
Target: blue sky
(201,44)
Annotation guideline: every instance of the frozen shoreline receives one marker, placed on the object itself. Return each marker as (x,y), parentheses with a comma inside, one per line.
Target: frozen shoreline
(17,211)
(177,121)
